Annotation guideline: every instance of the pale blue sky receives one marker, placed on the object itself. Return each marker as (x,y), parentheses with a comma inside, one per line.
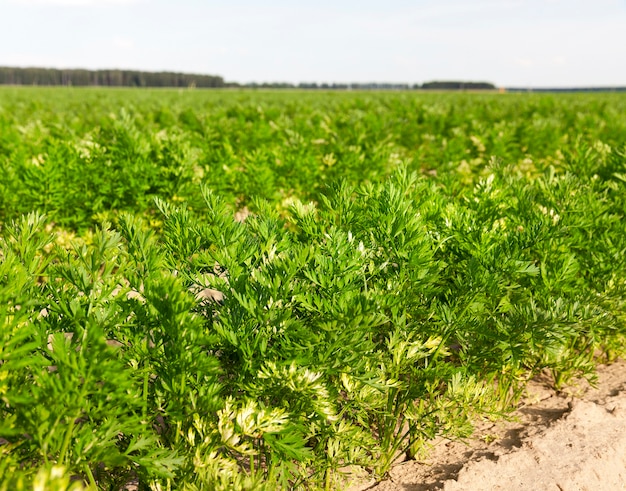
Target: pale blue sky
(527,43)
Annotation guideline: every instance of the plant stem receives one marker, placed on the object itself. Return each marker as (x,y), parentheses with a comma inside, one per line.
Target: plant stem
(92,481)
(146,378)
(66,440)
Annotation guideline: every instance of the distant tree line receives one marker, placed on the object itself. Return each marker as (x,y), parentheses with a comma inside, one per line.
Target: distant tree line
(135,78)
(379,86)
(451,85)
(106,78)
(357,86)
(568,89)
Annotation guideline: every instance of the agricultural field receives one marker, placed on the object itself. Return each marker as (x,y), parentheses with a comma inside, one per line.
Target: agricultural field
(221,290)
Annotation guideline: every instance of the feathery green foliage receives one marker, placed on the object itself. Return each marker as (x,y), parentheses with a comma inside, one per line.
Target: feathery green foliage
(240,290)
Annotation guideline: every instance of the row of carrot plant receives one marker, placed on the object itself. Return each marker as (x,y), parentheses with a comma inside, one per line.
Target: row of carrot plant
(241,290)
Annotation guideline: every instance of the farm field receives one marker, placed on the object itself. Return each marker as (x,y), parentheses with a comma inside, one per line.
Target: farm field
(270,290)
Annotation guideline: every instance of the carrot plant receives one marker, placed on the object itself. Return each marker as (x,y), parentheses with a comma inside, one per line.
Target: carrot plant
(263,291)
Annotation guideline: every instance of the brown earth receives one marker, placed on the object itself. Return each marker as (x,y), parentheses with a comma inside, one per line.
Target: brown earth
(567,440)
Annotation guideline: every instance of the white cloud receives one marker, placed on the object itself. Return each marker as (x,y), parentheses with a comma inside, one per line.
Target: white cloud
(75,3)
(123,43)
(30,60)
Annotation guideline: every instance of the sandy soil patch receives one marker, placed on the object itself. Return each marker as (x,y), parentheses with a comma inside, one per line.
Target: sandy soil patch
(568,440)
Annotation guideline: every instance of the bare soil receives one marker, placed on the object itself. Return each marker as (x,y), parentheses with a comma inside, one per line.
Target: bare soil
(568,440)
